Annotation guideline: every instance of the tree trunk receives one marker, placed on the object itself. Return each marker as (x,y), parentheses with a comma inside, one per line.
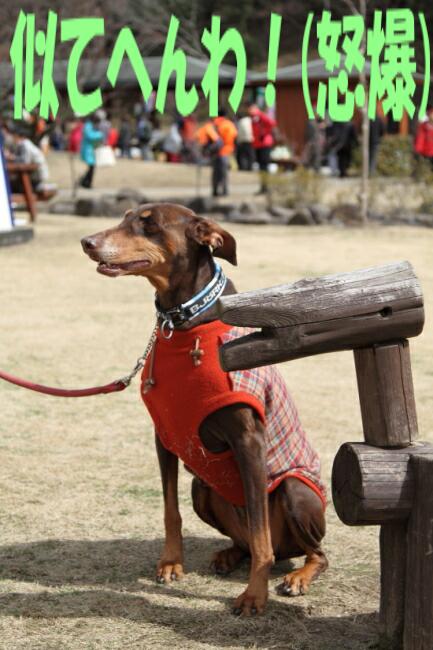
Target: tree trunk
(365,140)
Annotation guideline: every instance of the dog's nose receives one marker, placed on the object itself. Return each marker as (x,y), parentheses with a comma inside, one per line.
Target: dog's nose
(89,243)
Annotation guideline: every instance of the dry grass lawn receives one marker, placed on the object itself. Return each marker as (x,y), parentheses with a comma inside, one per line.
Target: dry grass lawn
(150,177)
(80,496)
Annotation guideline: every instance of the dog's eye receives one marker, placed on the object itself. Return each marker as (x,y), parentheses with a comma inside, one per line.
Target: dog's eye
(148,225)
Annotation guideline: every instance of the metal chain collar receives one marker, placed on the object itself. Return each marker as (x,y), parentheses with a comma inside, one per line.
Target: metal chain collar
(141,360)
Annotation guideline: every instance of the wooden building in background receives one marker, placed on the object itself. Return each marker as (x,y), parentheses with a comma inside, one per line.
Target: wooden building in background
(291,113)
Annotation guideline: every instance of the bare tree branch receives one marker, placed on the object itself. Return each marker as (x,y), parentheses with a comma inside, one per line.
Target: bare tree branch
(352,7)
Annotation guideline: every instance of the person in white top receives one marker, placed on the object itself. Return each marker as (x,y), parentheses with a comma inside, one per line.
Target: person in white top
(244,143)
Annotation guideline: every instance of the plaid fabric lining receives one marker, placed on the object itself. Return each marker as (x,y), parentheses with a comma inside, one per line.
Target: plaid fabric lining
(288,450)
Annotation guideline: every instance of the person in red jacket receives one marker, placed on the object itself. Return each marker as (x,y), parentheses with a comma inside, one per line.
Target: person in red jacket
(113,137)
(424,136)
(263,141)
(75,136)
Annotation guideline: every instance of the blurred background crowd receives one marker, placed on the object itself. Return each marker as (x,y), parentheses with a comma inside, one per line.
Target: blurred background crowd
(249,141)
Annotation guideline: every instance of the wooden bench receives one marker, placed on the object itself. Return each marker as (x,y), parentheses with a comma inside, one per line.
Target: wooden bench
(28,197)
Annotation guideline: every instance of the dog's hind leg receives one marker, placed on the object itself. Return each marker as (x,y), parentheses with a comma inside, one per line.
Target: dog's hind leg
(304,520)
(225,518)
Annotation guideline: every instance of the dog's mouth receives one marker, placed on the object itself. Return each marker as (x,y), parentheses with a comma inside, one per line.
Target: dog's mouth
(113,270)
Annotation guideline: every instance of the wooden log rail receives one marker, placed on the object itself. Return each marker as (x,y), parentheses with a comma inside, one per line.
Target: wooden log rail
(389,480)
(313,316)
(371,485)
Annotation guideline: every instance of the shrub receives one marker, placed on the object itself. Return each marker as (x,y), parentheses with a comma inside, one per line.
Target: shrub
(395,156)
(300,187)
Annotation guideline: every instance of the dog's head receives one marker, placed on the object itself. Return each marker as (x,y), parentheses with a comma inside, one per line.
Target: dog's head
(151,239)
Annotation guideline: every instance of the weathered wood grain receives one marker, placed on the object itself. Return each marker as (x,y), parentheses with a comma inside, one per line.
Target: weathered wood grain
(373,486)
(386,394)
(393,553)
(418,626)
(314,316)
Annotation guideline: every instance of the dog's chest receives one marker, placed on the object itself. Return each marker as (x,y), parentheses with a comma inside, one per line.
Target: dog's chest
(182,379)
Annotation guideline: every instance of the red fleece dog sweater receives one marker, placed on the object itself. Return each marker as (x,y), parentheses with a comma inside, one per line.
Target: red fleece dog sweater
(184,394)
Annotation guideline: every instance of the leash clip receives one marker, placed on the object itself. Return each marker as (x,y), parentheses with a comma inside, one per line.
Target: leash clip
(128,378)
(139,364)
(166,328)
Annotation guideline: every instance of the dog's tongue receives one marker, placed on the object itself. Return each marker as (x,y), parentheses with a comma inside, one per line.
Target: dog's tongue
(113,270)
(108,269)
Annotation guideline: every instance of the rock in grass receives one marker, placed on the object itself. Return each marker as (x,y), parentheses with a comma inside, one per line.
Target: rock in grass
(87,207)
(426,208)
(282,215)
(202,204)
(252,218)
(249,207)
(18,235)
(302,217)
(423,219)
(321,213)
(62,206)
(135,196)
(347,214)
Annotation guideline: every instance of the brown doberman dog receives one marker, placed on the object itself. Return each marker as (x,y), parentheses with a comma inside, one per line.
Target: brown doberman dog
(174,249)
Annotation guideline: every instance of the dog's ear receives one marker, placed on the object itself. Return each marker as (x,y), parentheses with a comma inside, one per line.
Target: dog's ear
(209,233)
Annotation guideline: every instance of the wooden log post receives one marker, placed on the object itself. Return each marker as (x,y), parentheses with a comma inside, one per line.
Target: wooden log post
(372,486)
(418,622)
(386,394)
(373,312)
(388,486)
(389,421)
(393,555)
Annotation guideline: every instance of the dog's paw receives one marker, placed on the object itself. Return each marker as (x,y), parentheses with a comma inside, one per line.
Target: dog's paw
(295,583)
(226,561)
(250,603)
(168,571)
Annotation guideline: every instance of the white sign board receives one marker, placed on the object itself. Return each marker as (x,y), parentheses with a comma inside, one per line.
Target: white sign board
(6,215)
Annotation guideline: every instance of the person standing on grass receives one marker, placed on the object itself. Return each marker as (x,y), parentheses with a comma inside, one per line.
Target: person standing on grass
(263,141)
(91,138)
(187,130)
(144,136)
(218,137)
(75,136)
(375,134)
(125,136)
(172,145)
(244,143)
(342,141)
(314,143)
(424,137)
(227,132)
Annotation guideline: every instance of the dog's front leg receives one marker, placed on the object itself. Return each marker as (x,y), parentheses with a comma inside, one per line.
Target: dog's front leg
(250,452)
(170,565)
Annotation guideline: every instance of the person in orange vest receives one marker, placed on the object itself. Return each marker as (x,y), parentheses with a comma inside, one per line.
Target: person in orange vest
(218,137)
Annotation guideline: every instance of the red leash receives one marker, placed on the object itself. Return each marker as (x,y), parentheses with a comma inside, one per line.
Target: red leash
(114,387)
